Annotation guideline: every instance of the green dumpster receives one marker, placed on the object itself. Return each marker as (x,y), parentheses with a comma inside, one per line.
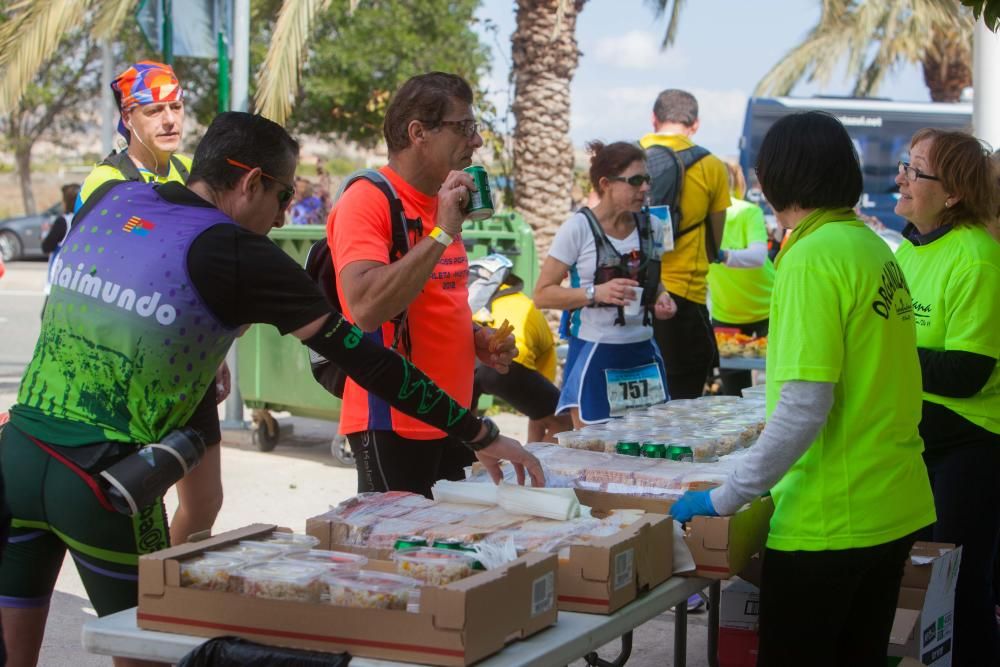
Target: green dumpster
(274,370)
(508,234)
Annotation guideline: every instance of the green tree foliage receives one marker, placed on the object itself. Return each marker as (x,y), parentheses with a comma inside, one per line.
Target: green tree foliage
(356,61)
(988,9)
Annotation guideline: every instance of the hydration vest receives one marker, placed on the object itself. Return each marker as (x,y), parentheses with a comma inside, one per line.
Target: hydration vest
(642,266)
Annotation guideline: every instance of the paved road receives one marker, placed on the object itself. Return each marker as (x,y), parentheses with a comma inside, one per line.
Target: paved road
(297,480)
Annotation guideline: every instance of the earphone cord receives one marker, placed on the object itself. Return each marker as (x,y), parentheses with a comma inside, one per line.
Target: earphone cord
(156,163)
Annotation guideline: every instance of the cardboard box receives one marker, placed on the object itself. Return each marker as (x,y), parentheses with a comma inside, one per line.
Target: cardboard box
(739,615)
(924,622)
(597,578)
(721,546)
(458,624)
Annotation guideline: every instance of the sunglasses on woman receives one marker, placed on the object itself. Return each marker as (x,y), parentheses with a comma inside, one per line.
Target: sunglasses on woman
(636,180)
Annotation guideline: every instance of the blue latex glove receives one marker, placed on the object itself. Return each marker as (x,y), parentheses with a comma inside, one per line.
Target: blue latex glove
(691,504)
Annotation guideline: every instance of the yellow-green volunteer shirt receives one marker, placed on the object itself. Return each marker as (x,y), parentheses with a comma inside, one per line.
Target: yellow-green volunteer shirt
(955,281)
(741,296)
(841,313)
(103,173)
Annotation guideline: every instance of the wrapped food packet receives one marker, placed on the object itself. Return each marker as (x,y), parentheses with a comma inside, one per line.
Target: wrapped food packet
(434,566)
(283,580)
(370,590)
(211,571)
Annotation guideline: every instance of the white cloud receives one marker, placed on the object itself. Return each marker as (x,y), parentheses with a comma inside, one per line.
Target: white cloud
(637,50)
(623,113)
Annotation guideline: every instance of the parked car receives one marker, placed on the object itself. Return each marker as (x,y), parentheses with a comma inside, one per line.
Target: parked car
(21,237)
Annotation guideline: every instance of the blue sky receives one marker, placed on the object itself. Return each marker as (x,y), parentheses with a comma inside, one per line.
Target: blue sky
(723,48)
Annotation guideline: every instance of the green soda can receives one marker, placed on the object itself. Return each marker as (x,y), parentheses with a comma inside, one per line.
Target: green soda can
(450,543)
(627,448)
(654,450)
(480,204)
(680,453)
(409,542)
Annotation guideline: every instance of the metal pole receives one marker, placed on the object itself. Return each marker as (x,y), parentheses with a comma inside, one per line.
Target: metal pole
(241,55)
(239,102)
(223,83)
(168,32)
(986,78)
(108,115)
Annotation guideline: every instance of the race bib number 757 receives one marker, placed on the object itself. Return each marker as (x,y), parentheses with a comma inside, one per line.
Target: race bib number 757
(634,388)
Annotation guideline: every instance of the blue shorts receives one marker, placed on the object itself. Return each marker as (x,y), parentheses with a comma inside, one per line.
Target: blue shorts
(585,384)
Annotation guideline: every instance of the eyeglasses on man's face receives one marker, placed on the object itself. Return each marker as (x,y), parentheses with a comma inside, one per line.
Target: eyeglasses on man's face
(912,173)
(635,180)
(466,128)
(284,195)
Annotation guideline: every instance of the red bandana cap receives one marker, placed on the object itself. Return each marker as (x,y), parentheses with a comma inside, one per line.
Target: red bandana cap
(146,82)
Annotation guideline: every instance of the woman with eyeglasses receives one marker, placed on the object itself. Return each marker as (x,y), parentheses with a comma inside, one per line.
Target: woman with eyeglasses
(841,452)
(611,253)
(948,194)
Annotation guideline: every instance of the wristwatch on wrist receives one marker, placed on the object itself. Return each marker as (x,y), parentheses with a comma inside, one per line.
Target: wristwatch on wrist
(492,433)
(590,295)
(441,236)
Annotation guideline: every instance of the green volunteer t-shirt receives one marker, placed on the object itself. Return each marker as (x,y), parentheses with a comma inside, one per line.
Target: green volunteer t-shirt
(741,296)
(955,281)
(841,313)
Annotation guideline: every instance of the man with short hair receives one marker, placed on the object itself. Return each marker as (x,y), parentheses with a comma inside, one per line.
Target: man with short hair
(431,135)
(687,341)
(151,103)
(154,284)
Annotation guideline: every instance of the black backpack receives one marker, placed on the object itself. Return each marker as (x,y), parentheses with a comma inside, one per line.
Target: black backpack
(667,168)
(123,163)
(319,266)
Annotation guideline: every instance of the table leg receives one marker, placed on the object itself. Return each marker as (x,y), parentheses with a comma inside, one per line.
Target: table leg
(680,634)
(714,600)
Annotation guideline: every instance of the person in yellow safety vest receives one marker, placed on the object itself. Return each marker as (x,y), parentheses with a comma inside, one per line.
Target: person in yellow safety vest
(740,282)
(151,102)
(495,296)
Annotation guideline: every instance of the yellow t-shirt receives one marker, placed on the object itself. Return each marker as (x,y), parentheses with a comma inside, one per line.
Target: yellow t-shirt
(705,191)
(536,348)
(103,173)
(841,313)
(741,296)
(955,283)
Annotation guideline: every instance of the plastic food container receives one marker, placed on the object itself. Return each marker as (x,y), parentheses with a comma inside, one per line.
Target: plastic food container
(284,580)
(211,572)
(372,590)
(434,566)
(297,540)
(331,560)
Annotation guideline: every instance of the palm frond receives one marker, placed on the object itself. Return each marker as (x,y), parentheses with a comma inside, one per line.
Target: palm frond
(660,8)
(111,15)
(29,39)
(278,81)
(898,29)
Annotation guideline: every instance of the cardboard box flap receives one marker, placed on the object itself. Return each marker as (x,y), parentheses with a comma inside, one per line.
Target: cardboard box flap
(911,598)
(920,565)
(229,537)
(714,534)
(903,626)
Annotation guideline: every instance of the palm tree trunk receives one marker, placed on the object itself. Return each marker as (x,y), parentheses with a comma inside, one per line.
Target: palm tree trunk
(545,57)
(947,67)
(22,158)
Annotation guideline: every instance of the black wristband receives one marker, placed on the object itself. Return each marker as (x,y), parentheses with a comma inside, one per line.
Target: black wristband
(492,433)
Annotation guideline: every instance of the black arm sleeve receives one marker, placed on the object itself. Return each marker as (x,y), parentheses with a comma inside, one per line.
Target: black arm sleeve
(954,373)
(392,378)
(57,232)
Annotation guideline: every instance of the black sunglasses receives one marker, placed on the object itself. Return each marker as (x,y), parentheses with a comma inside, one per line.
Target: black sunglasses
(636,180)
(284,196)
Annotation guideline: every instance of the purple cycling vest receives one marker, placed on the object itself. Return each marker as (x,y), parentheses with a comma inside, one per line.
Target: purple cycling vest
(127,344)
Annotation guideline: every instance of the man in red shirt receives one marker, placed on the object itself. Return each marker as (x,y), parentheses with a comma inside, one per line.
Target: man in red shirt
(431,135)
